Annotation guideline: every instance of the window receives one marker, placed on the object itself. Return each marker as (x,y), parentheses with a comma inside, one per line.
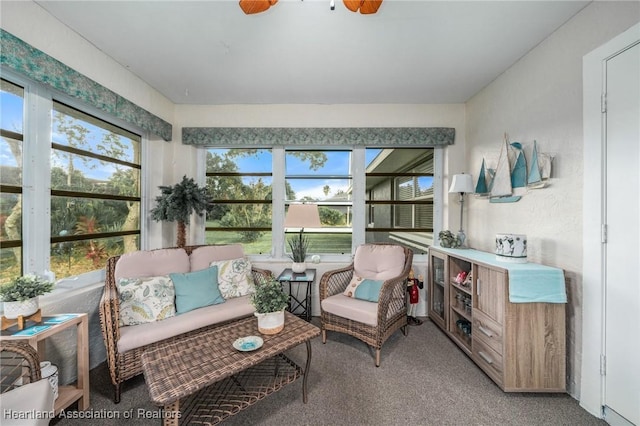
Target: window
(251,190)
(11,140)
(399,187)
(239,184)
(95,191)
(324,178)
(70,187)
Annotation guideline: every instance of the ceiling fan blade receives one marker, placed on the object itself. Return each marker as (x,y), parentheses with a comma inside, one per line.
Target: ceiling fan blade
(256,6)
(353,5)
(370,6)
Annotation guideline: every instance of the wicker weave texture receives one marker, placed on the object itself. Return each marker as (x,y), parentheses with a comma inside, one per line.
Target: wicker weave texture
(125,365)
(174,370)
(213,404)
(392,305)
(19,364)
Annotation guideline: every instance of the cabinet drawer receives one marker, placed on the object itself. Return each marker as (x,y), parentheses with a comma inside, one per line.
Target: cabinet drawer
(488,359)
(487,330)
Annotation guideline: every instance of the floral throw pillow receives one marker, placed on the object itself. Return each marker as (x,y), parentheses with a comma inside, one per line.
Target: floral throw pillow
(234,277)
(364,289)
(146,299)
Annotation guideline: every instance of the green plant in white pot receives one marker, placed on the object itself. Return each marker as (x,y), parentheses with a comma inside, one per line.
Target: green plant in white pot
(270,301)
(20,296)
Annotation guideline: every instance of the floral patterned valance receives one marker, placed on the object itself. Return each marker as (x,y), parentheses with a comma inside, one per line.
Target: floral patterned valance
(369,136)
(36,65)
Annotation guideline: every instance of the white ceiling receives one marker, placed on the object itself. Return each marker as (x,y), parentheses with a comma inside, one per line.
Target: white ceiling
(301,52)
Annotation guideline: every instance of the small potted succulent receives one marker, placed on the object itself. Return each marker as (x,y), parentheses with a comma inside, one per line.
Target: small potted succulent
(20,296)
(298,245)
(270,301)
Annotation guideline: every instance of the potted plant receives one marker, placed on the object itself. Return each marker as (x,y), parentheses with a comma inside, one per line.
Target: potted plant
(270,300)
(176,203)
(298,245)
(20,296)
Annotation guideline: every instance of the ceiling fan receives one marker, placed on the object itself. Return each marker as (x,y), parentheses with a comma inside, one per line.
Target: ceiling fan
(366,7)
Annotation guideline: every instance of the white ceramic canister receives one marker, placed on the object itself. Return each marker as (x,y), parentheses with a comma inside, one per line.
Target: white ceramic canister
(50,371)
(511,248)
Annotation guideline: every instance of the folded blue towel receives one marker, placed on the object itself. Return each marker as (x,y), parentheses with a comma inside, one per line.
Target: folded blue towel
(529,285)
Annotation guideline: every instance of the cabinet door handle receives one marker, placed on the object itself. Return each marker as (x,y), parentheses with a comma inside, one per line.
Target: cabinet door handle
(486,357)
(485,331)
(478,286)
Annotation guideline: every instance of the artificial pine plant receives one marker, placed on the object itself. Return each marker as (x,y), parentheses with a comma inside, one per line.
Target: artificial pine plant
(176,203)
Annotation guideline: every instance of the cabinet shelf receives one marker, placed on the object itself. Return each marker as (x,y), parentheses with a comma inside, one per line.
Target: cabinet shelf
(462,313)
(461,287)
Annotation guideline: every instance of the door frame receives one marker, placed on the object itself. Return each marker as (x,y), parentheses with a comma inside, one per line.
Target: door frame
(593,300)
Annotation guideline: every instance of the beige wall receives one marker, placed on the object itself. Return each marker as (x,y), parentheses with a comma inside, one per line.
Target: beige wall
(540,97)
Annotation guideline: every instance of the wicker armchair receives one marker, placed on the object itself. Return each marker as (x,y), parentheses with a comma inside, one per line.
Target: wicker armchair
(345,314)
(126,365)
(21,385)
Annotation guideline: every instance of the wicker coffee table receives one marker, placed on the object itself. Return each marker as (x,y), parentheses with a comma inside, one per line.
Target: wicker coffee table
(202,379)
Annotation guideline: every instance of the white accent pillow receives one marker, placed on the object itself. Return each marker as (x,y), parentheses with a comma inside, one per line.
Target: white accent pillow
(234,277)
(146,299)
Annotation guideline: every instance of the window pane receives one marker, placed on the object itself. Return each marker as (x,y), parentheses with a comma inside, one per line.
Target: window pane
(77,257)
(75,129)
(236,160)
(326,242)
(11,260)
(91,156)
(318,175)
(238,175)
(82,216)
(11,155)
(11,148)
(93,176)
(404,174)
(12,101)
(260,245)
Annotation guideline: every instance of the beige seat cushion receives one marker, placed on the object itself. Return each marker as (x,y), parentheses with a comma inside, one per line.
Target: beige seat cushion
(354,309)
(378,262)
(36,397)
(135,336)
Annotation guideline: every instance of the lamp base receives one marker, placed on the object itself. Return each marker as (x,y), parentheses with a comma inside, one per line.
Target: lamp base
(462,238)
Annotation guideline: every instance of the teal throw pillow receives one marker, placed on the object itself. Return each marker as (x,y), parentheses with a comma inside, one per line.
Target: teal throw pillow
(196,289)
(364,289)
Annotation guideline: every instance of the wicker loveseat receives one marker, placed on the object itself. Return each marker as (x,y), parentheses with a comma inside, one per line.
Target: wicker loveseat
(125,343)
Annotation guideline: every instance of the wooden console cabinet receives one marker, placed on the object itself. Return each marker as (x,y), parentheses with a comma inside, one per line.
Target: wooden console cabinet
(520,346)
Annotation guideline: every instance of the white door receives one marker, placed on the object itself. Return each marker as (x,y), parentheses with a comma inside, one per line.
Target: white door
(622,216)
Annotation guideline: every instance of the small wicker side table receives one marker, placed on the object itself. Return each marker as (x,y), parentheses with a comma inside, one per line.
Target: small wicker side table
(202,379)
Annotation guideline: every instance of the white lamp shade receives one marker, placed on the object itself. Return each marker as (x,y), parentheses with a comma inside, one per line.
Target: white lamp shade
(461,183)
(302,216)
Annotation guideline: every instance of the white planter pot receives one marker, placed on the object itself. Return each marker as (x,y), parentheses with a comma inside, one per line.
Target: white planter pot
(271,322)
(299,267)
(13,310)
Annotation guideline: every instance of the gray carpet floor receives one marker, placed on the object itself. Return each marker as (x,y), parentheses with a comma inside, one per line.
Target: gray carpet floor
(423,379)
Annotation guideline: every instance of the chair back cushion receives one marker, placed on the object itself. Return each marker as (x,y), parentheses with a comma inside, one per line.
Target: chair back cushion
(378,261)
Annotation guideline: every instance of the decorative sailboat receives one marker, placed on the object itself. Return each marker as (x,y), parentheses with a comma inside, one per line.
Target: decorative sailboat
(501,187)
(540,170)
(482,191)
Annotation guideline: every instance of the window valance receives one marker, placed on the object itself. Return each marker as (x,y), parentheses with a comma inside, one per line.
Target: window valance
(369,136)
(36,65)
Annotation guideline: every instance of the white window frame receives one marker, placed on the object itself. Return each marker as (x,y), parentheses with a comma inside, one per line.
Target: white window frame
(36,171)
